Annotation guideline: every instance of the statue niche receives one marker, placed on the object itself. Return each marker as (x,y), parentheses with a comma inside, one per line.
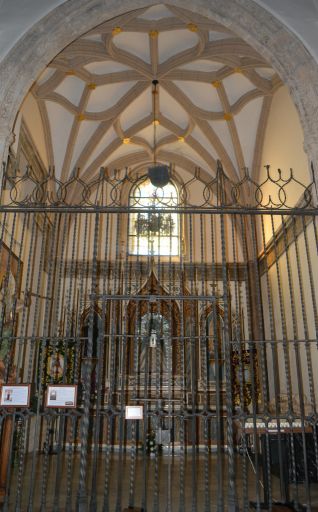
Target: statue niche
(153,326)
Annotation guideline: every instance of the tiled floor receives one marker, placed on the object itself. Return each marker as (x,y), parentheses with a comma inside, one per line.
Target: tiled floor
(146,485)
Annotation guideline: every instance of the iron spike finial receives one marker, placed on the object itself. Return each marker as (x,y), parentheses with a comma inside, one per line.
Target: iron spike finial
(219,166)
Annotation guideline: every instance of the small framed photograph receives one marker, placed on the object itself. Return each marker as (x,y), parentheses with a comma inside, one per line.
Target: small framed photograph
(15,395)
(134,412)
(61,396)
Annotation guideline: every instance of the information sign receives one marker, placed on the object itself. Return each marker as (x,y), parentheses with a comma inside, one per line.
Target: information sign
(15,395)
(61,396)
(134,412)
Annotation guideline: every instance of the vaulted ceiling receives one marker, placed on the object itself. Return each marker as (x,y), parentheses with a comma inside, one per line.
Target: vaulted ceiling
(213,99)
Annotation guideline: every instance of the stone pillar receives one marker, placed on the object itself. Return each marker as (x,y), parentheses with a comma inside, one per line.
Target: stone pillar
(6,139)
(254,297)
(254,291)
(311,149)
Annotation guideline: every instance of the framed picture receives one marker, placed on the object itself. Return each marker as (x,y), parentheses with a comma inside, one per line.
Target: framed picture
(59,363)
(61,396)
(134,412)
(15,395)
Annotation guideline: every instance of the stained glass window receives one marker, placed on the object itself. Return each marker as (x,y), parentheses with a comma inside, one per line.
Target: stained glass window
(154,231)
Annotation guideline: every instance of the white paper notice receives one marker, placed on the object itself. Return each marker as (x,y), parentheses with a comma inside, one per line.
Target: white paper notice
(15,396)
(134,412)
(61,396)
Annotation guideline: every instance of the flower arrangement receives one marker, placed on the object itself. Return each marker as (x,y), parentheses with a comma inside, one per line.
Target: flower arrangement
(151,444)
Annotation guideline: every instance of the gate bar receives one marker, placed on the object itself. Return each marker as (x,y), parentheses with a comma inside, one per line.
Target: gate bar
(154,298)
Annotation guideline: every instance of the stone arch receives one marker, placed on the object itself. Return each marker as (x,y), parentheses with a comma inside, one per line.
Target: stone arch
(46,38)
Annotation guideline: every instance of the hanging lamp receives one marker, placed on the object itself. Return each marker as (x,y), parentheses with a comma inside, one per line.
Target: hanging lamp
(157,173)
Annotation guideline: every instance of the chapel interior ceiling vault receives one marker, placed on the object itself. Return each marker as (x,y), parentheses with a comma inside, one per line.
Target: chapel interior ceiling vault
(213,100)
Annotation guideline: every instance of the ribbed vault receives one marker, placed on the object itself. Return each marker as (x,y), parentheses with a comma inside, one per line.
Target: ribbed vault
(213,99)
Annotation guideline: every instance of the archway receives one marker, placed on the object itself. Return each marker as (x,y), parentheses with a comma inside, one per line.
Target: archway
(220,263)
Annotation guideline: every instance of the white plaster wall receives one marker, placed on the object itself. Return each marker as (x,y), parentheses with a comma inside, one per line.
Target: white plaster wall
(283,149)
(300,321)
(32,118)
(284,139)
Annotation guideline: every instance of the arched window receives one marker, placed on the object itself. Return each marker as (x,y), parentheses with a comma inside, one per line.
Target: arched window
(153,232)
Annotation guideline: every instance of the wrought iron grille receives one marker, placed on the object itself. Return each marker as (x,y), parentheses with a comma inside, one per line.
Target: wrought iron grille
(276,192)
(217,346)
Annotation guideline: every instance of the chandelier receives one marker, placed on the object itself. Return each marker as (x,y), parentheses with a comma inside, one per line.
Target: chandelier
(154,224)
